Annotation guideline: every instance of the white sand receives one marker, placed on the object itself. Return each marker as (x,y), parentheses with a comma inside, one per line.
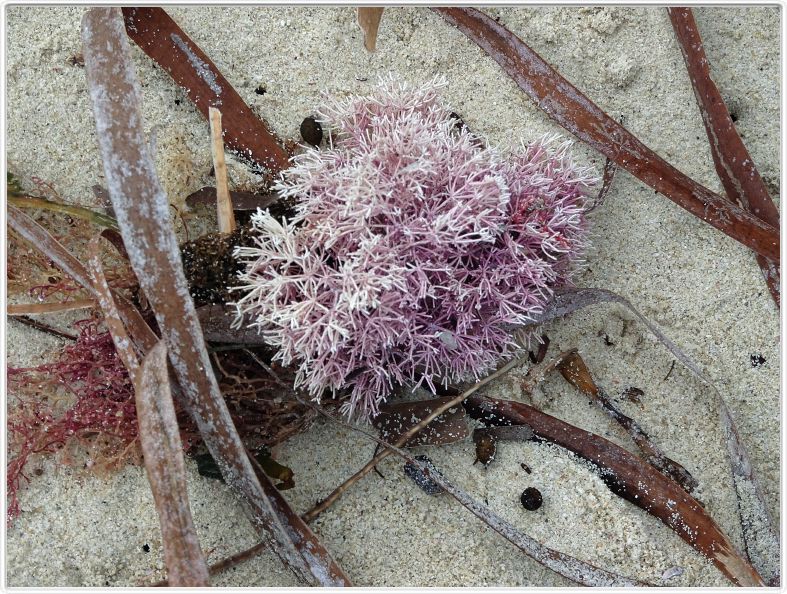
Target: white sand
(703,289)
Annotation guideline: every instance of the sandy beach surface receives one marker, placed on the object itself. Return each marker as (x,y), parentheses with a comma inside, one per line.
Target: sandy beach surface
(703,290)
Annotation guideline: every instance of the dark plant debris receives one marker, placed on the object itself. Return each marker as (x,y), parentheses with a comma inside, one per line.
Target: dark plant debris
(425,482)
(311,131)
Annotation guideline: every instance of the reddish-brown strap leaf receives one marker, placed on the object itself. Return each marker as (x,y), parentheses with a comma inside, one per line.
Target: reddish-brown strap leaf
(163,452)
(561,101)
(630,478)
(154,31)
(734,165)
(142,210)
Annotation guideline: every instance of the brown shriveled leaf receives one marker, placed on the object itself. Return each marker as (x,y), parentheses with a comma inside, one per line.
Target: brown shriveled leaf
(395,419)
(630,478)
(755,520)
(142,211)
(369,22)
(154,31)
(240,200)
(561,101)
(734,165)
(574,370)
(166,469)
(569,567)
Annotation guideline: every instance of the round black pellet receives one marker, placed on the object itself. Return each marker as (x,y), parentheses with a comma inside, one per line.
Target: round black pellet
(531,499)
(311,131)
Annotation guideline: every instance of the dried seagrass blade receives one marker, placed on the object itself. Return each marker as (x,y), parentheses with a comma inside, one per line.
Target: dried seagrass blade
(734,165)
(397,418)
(154,31)
(561,101)
(574,569)
(159,438)
(27,309)
(755,519)
(574,370)
(630,478)
(166,469)
(97,218)
(112,318)
(369,22)
(610,169)
(142,211)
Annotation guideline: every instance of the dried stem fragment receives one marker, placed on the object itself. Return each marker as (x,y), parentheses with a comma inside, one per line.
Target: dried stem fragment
(226,216)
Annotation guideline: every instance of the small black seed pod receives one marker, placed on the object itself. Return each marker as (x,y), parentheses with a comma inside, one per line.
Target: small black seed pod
(311,131)
(531,499)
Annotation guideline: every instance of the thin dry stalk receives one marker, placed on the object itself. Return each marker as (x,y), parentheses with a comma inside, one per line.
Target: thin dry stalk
(405,437)
(31,309)
(228,563)
(46,328)
(226,216)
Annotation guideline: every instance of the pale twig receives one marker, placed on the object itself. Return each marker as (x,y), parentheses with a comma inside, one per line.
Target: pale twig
(223,201)
(405,437)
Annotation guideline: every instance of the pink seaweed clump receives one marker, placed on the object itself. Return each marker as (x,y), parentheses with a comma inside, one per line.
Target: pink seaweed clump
(415,250)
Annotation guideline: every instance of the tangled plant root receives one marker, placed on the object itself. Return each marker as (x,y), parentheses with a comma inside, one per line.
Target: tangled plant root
(415,250)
